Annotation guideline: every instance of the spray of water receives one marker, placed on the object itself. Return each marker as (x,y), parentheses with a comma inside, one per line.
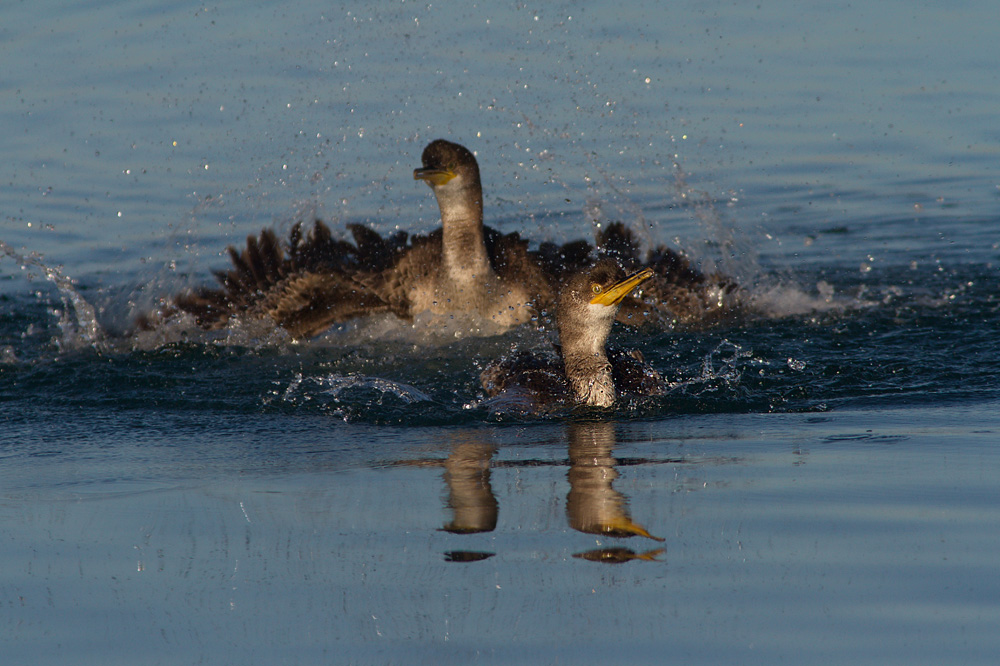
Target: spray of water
(77,320)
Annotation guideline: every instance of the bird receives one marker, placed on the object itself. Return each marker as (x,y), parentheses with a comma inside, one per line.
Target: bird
(586,371)
(313,281)
(678,294)
(463,266)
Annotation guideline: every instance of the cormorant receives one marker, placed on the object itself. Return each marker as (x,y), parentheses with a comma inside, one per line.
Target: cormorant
(314,281)
(586,372)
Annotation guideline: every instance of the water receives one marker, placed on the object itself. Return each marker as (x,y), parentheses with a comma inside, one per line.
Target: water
(822,473)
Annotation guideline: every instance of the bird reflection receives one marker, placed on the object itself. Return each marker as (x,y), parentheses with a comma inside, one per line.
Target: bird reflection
(593,505)
(470,497)
(619,555)
(467,556)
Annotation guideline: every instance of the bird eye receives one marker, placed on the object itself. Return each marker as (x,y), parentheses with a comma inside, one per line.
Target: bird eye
(596,288)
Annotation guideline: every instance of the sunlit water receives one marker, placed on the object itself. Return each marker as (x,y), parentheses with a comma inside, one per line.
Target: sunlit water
(822,472)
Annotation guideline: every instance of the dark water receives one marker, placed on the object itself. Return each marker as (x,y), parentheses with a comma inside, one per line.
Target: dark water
(818,486)
(914,335)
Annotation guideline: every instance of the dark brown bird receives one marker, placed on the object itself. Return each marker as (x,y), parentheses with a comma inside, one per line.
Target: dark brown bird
(678,293)
(463,266)
(314,281)
(586,371)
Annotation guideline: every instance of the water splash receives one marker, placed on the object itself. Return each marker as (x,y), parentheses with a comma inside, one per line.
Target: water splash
(77,320)
(721,369)
(788,299)
(344,395)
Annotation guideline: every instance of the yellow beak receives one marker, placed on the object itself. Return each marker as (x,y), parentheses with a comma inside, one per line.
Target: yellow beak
(622,288)
(433,176)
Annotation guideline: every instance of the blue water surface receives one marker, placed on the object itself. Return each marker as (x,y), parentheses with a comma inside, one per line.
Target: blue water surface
(820,486)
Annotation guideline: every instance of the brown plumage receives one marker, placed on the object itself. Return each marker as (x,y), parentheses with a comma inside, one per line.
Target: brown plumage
(464,266)
(304,286)
(677,293)
(585,371)
(314,281)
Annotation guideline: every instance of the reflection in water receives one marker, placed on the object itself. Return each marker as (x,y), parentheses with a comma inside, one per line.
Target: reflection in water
(467,556)
(619,555)
(470,497)
(593,505)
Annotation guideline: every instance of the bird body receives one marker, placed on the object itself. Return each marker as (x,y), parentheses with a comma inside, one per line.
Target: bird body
(314,281)
(586,371)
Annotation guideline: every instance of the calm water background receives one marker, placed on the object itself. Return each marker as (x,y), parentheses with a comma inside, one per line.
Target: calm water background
(824,476)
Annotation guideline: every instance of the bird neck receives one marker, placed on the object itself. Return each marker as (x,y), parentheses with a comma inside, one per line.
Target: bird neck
(463,244)
(586,361)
